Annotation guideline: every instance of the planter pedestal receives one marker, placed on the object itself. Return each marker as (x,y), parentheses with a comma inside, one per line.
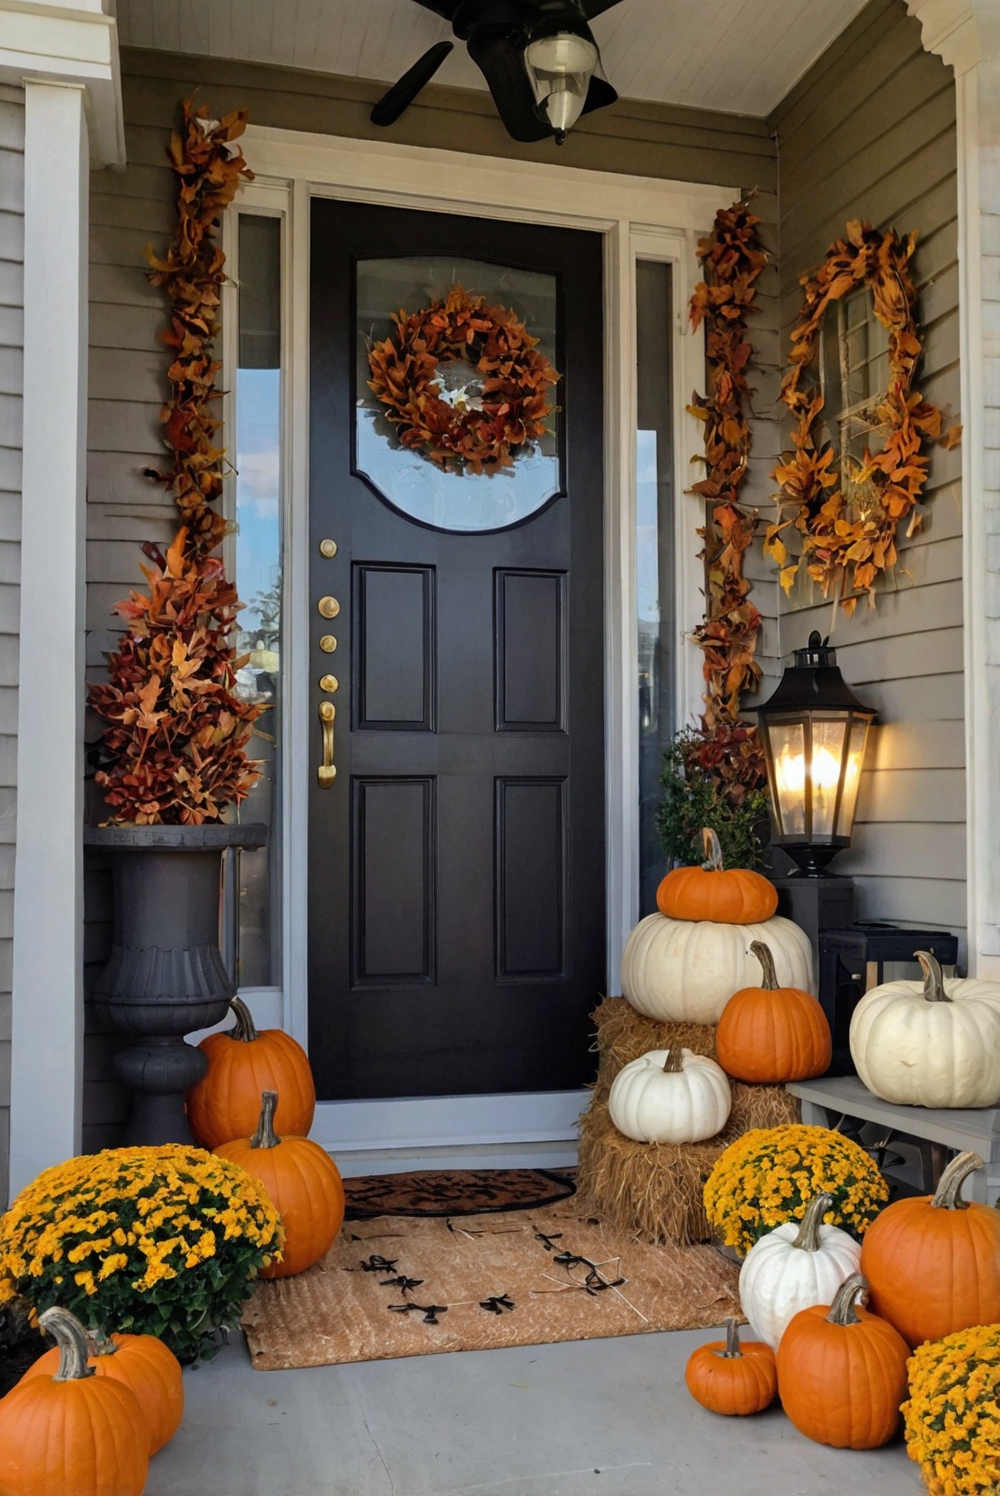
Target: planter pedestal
(166,976)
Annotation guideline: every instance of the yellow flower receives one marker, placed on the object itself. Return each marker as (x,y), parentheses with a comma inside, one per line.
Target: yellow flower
(952,1418)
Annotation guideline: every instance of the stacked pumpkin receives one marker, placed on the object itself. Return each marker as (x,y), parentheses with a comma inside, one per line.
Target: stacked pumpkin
(929,1268)
(256,1082)
(715,1018)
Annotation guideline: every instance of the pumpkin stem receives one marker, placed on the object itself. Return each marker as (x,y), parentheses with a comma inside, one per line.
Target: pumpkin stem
(265,1136)
(808,1237)
(732,1351)
(933,977)
(99,1344)
(712,848)
(763,954)
(842,1308)
(71,1338)
(948,1195)
(244,1029)
(674,1060)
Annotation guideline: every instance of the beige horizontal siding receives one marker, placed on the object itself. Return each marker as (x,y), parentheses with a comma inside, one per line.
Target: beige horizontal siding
(869,132)
(11,339)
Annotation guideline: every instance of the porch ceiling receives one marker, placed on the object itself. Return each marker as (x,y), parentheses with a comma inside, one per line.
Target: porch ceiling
(741,56)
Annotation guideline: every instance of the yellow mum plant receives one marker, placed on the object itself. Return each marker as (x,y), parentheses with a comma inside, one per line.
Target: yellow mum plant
(158,1241)
(953,1415)
(769,1175)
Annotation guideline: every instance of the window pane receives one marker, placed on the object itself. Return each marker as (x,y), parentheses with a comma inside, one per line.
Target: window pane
(827,753)
(258,580)
(654,559)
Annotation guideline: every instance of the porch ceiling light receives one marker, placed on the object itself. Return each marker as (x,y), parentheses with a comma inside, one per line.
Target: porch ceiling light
(560,68)
(813,731)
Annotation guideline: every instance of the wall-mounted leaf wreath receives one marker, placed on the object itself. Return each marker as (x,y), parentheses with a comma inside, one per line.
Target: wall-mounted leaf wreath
(849,538)
(463,383)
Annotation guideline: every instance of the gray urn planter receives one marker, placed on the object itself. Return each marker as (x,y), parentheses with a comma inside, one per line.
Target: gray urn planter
(166,976)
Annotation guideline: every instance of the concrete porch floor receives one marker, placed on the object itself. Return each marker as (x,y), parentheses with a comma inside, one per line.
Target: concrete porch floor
(591,1418)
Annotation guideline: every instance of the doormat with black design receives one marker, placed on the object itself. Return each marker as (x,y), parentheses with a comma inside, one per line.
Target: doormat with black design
(404,1286)
(455,1192)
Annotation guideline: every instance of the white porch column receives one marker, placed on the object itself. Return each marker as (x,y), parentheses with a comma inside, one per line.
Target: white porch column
(66,60)
(966,34)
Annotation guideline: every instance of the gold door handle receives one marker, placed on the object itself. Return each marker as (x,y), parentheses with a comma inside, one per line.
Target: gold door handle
(326,773)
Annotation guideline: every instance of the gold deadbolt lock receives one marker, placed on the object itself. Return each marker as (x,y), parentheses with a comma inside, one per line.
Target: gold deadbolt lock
(328,643)
(329,683)
(328,607)
(328,548)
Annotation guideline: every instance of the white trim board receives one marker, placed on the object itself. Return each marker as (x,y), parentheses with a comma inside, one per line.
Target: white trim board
(638,217)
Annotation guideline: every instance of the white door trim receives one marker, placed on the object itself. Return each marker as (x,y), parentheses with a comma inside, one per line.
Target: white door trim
(639,217)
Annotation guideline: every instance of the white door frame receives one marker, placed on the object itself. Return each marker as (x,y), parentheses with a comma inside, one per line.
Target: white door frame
(639,218)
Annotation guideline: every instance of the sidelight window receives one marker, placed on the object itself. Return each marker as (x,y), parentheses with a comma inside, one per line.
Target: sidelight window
(254,443)
(654,557)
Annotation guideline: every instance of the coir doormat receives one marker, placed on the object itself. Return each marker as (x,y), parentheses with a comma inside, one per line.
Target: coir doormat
(406,1286)
(455,1192)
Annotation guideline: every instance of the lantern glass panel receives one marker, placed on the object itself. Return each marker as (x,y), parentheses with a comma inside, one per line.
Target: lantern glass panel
(852,776)
(827,758)
(788,751)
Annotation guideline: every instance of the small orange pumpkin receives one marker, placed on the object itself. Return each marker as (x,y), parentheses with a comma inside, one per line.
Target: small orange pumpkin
(73,1432)
(303,1183)
(842,1372)
(726,896)
(933,1261)
(771,1034)
(142,1363)
(727,1377)
(242,1063)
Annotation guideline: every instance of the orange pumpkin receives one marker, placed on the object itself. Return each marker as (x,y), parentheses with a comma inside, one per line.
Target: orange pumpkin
(72,1434)
(727,896)
(842,1372)
(241,1064)
(140,1362)
(304,1185)
(933,1261)
(727,1377)
(771,1034)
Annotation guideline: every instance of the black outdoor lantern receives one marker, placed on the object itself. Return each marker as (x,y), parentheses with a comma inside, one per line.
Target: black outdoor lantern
(813,732)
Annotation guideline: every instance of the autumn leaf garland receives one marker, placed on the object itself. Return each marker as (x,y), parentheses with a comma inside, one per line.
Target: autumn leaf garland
(733,259)
(175,751)
(848,540)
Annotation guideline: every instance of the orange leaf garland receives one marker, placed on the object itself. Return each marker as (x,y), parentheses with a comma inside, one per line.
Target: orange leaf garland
(848,543)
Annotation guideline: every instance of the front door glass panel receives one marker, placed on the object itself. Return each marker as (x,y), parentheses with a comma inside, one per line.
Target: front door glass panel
(458,499)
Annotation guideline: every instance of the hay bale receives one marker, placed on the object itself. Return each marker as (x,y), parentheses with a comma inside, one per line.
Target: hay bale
(656,1189)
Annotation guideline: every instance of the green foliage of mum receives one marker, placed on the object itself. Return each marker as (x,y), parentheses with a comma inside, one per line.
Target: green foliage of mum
(158,1241)
(714,778)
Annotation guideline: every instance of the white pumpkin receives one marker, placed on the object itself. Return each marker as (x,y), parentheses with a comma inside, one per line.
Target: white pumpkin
(670,1096)
(932,1043)
(794,1267)
(685,971)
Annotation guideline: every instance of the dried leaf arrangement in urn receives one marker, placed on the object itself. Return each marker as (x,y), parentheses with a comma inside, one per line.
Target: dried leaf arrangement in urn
(176,748)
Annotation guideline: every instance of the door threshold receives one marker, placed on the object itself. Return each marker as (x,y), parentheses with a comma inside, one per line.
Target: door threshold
(353,1165)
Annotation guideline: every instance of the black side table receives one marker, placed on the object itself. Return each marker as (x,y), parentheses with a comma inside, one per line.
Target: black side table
(851,962)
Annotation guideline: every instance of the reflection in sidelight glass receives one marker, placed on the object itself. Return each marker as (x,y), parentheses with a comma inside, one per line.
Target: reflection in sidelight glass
(654,558)
(461,501)
(257,444)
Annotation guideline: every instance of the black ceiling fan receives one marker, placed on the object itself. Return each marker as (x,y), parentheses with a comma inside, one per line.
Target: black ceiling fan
(538,57)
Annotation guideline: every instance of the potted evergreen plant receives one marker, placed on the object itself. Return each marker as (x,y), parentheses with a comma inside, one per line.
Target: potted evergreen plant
(174,758)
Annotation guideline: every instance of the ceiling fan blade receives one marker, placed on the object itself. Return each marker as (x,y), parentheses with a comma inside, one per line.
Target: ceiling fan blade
(498,54)
(592,8)
(447,8)
(402,94)
(599,95)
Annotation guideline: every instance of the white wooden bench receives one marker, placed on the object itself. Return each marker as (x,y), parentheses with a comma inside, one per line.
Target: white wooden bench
(826,1100)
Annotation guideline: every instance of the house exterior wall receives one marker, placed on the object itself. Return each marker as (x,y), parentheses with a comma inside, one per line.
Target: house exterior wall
(869,132)
(11,322)
(133,208)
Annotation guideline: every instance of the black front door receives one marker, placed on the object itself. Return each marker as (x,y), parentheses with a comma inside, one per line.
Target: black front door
(456,858)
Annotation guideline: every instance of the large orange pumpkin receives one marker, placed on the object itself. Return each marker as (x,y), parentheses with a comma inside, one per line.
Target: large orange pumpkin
(842,1372)
(142,1363)
(303,1183)
(72,1434)
(727,1377)
(726,896)
(771,1034)
(241,1064)
(933,1261)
